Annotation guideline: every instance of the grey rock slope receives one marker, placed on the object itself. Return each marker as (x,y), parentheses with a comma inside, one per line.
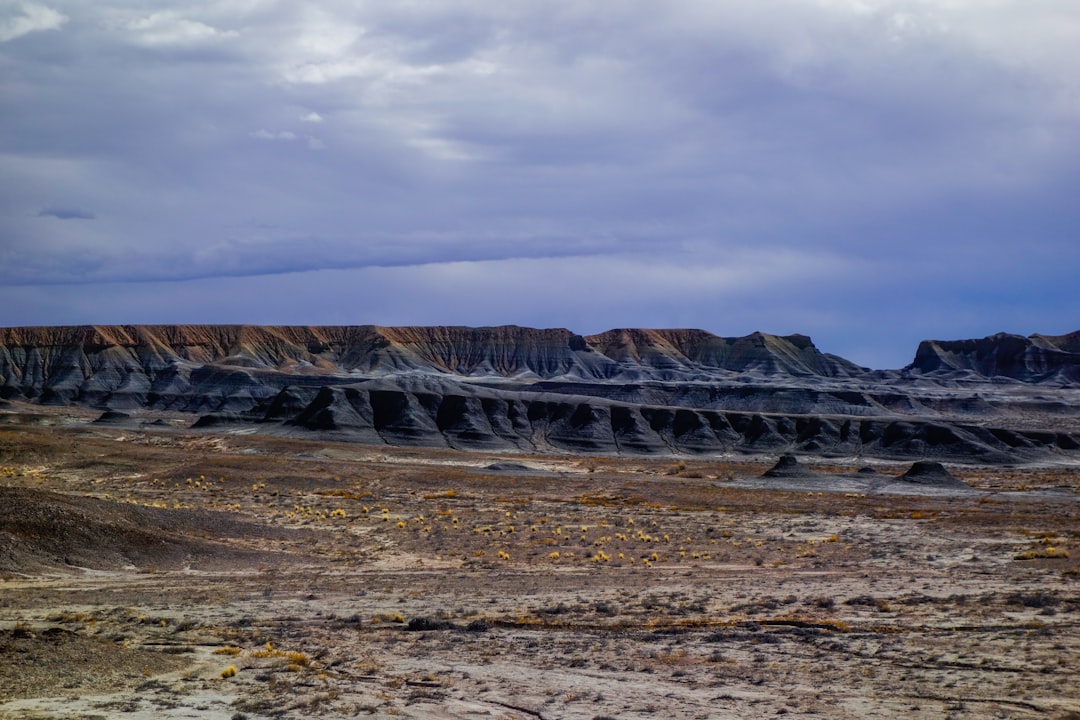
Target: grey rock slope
(1002,399)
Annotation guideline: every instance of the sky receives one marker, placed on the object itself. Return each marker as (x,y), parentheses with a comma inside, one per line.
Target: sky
(867,172)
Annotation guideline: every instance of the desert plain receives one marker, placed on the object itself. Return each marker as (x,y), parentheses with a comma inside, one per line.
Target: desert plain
(166,572)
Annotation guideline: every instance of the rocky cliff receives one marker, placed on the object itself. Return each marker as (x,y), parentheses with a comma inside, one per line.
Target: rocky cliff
(1035,359)
(1005,398)
(113,366)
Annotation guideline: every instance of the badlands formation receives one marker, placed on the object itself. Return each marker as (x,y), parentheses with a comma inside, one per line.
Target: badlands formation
(1002,399)
(244,523)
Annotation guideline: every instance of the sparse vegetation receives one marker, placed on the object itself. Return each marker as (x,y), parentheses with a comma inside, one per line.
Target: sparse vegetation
(1047,553)
(672,584)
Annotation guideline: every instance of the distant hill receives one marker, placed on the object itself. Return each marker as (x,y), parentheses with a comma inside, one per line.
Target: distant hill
(1004,398)
(86,363)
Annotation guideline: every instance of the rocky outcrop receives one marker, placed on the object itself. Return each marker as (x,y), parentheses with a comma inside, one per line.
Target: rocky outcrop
(788,467)
(927,472)
(1034,359)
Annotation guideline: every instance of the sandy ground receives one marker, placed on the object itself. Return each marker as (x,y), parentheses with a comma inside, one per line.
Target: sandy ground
(168,574)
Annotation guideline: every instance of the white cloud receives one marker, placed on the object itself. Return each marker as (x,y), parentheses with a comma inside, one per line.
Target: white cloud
(169,28)
(311,117)
(382,70)
(442,149)
(32,18)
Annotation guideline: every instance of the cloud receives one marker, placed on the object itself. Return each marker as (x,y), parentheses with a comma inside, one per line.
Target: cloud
(66,213)
(169,28)
(32,18)
(932,146)
(268,135)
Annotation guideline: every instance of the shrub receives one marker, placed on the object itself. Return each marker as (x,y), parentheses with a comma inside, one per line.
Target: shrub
(228,650)
(419,624)
(390,617)
(676,468)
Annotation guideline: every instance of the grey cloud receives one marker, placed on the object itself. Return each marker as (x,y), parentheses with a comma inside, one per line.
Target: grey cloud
(269,255)
(29,18)
(907,140)
(66,213)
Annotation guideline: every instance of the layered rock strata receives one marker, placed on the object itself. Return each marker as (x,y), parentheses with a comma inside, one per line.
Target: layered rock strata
(1000,399)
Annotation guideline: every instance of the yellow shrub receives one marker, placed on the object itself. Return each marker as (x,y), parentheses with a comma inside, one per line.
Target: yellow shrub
(228,650)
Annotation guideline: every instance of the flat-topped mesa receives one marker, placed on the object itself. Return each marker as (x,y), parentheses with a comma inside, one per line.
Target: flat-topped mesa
(131,365)
(1038,358)
(235,368)
(163,345)
(203,342)
(504,351)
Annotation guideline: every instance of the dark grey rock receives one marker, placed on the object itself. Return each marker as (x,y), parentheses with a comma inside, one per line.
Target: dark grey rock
(933,474)
(788,467)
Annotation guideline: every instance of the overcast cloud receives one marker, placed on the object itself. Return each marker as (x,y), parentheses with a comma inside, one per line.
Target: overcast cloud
(869,173)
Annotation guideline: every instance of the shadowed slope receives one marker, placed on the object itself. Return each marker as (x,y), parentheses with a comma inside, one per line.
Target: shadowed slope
(47,529)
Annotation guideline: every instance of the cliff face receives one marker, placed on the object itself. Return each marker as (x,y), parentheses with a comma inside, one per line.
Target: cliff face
(1035,359)
(624,390)
(493,419)
(686,349)
(506,351)
(135,365)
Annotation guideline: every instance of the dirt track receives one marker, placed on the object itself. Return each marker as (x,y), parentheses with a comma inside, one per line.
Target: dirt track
(344,581)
